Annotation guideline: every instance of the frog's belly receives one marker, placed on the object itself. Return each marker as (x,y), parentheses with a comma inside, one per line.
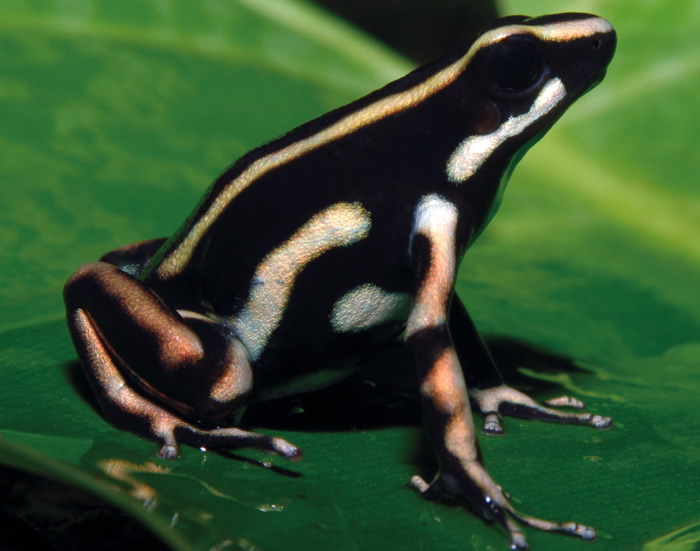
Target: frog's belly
(294,363)
(315,350)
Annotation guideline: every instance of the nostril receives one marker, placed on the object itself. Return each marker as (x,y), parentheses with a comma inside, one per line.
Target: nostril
(596,44)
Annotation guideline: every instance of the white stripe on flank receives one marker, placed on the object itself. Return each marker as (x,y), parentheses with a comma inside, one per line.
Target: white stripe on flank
(475,150)
(338,226)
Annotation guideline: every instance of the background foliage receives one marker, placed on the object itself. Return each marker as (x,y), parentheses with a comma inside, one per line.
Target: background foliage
(115,116)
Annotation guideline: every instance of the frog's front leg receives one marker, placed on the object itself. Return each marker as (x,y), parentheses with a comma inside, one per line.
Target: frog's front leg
(443,391)
(492,396)
(152,367)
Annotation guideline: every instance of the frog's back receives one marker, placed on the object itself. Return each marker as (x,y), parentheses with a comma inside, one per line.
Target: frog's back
(382,151)
(369,177)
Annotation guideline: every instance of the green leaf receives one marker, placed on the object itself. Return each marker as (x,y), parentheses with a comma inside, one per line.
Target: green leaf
(116,116)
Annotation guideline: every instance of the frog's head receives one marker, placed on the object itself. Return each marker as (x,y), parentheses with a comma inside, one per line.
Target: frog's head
(523,74)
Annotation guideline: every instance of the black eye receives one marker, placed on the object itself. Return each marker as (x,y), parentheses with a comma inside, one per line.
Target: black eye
(515,64)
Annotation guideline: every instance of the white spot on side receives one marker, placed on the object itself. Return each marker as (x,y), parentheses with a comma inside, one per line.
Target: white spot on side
(436,219)
(367,306)
(475,150)
(339,225)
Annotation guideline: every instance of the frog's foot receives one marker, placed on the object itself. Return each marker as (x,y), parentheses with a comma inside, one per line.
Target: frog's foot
(502,399)
(224,438)
(476,486)
(168,429)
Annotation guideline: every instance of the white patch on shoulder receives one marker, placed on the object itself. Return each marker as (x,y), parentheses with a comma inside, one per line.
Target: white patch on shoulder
(339,225)
(434,212)
(475,150)
(435,219)
(367,306)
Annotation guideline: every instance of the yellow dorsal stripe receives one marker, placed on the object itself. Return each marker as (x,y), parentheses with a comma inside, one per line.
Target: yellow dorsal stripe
(359,119)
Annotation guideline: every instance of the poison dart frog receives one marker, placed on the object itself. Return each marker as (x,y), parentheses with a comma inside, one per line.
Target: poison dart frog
(338,239)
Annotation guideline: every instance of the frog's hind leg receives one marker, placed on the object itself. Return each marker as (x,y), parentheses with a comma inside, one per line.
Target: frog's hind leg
(157,372)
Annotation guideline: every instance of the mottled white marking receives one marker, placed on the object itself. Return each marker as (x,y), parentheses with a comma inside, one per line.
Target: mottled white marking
(475,150)
(338,226)
(368,306)
(436,219)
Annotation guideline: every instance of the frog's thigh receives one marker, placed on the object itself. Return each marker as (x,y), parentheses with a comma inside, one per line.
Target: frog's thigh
(117,323)
(188,363)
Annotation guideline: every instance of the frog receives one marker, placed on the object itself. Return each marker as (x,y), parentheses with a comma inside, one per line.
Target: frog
(316,251)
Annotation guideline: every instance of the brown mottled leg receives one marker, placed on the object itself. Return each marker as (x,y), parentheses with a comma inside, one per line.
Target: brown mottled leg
(139,354)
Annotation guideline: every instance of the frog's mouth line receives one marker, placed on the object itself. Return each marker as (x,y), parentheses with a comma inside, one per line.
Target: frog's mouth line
(597,80)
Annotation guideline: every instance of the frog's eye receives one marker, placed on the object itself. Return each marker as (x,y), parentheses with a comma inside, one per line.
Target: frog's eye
(514,65)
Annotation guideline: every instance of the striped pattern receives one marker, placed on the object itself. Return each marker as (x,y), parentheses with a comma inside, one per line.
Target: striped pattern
(384,107)
(338,226)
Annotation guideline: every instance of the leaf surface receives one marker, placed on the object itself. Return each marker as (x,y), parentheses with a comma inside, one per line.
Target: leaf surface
(116,118)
